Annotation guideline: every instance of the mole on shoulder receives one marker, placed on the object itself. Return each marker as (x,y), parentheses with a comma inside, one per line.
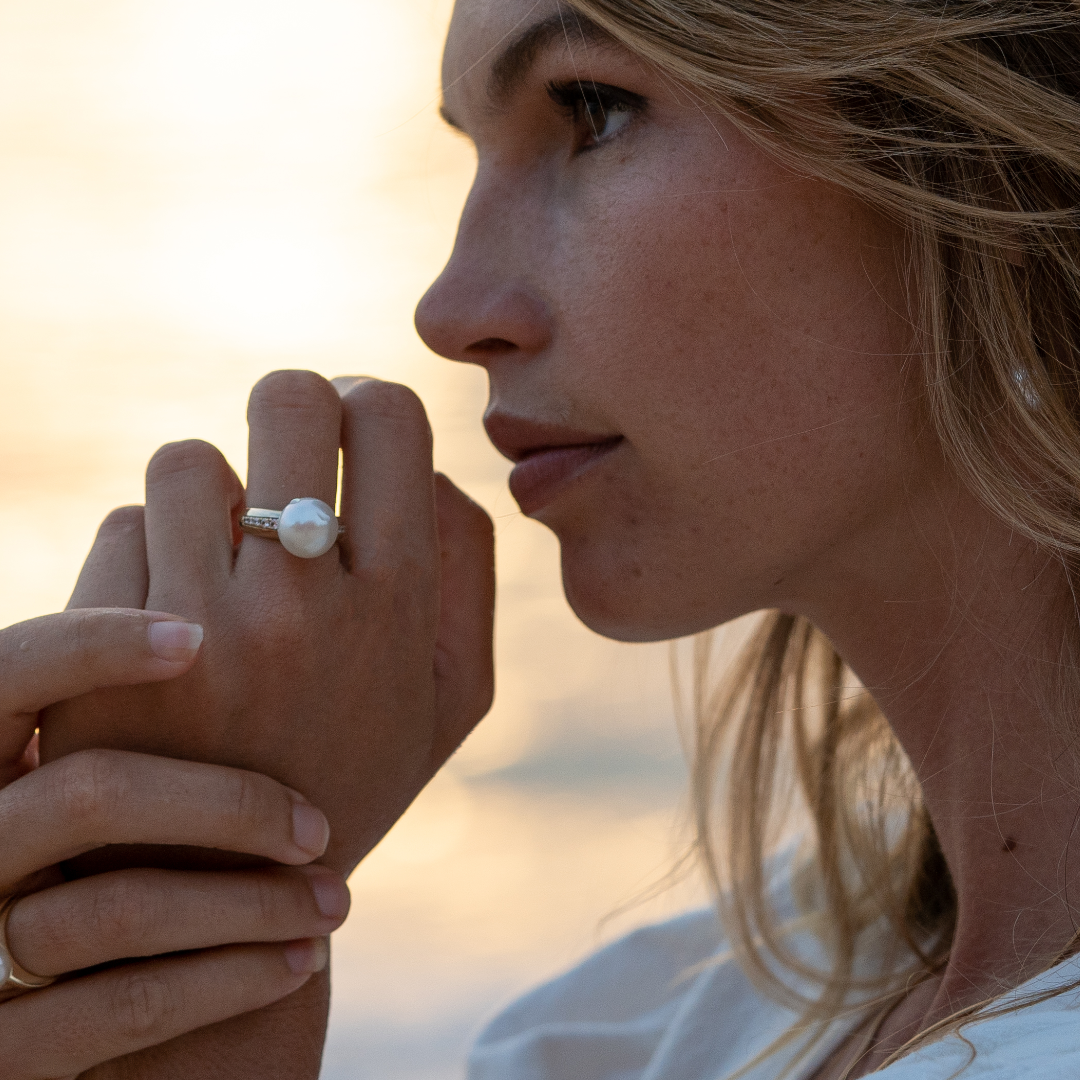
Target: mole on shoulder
(1009,845)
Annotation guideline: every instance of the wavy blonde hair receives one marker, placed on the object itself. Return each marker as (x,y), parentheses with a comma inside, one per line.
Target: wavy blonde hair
(961,121)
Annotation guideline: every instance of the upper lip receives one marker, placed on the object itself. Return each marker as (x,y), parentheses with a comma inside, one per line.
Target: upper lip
(517,438)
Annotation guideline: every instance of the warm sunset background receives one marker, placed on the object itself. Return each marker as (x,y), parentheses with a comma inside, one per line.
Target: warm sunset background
(192,193)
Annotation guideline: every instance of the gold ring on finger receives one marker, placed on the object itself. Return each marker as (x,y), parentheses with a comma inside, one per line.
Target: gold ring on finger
(13,976)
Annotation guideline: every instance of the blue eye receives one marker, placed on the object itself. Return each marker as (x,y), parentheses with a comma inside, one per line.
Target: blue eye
(599,112)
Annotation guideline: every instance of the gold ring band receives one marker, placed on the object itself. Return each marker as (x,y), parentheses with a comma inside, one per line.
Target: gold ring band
(12,974)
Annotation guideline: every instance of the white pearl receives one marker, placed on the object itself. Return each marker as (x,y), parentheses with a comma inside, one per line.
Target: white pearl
(307,528)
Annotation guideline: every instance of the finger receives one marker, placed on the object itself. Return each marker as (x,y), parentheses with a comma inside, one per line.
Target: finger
(191,496)
(115,573)
(143,913)
(71,653)
(73,1026)
(295,431)
(463,654)
(388,497)
(97,797)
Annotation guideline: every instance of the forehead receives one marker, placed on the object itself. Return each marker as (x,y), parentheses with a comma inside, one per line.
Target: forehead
(487,36)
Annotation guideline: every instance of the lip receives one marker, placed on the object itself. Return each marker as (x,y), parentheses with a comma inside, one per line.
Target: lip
(547,457)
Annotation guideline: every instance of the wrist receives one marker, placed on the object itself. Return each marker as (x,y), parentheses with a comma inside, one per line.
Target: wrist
(284,1041)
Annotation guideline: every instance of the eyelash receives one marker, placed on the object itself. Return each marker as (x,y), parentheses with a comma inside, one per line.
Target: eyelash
(590,105)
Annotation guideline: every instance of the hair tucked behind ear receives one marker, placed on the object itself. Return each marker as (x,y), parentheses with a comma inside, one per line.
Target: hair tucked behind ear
(961,121)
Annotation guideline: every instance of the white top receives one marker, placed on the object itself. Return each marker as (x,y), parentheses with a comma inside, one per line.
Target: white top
(644,1009)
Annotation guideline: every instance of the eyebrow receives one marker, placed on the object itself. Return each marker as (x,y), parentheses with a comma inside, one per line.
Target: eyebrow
(513,64)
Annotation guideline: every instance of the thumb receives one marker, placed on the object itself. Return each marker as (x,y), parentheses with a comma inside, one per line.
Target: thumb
(65,655)
(464,666)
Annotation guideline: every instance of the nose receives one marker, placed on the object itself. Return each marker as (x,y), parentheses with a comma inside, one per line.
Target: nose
(484,305)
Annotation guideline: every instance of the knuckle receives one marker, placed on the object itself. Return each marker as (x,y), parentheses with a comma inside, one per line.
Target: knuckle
(476,699)
(272,901)
(123,912)
(86,631)
(50,927)
(181,459)
(482,699)
(480,522)
(398,590)
(381,572)
(462,512)
(293,390)
(388,401)
(143,1003)
(122,520)
(251,801)
(88,787)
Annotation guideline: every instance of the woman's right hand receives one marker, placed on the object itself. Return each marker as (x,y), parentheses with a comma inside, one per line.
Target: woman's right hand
(248,937)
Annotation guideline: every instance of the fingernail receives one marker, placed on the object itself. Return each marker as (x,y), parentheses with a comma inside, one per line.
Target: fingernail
(175,641)
(307,957)
(330,892)
(311,830)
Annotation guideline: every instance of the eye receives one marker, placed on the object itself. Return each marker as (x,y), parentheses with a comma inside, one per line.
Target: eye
(599,112)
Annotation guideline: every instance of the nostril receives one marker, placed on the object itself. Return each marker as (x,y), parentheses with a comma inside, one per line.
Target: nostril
(490,345)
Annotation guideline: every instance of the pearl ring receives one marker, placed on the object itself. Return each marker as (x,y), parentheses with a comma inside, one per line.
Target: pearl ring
(307,528)
(12,976)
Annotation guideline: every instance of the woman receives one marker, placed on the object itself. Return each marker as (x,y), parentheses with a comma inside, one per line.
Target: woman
(779,308)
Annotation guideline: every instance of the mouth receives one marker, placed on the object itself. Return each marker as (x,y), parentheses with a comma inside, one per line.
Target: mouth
(547,457)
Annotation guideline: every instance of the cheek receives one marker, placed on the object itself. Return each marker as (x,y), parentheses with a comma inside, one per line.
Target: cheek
(656,307)
(638,283)
(704,306)
(749,350)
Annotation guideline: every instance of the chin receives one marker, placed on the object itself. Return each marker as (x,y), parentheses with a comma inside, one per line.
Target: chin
(628,606)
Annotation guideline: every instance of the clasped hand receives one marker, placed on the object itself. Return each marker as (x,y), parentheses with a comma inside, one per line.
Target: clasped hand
(352,677)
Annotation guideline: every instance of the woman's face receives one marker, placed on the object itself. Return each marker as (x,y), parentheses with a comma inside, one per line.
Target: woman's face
(696,357)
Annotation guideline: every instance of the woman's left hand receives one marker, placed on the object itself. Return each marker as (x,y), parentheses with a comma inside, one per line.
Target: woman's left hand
(350,677)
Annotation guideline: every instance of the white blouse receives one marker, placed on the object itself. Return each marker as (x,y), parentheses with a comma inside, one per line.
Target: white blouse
(670,1003)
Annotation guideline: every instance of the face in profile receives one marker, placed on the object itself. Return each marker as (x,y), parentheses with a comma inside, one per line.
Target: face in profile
(700,361)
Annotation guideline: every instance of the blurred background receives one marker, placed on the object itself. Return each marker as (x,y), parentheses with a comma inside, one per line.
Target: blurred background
(195,192)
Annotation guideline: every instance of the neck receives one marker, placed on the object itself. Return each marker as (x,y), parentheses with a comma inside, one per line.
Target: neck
(960,641)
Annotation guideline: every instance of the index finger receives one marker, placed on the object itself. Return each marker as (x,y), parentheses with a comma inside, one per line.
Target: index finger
(62,656)
(94,798)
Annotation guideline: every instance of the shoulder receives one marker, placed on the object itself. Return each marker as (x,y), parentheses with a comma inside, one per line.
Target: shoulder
(662,992)
(1039,1040)
(604,1018)
(635,974)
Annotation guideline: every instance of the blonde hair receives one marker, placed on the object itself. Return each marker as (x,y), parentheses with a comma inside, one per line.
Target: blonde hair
(959,120)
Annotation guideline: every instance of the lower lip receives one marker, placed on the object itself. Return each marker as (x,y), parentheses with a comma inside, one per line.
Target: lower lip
(535,481)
